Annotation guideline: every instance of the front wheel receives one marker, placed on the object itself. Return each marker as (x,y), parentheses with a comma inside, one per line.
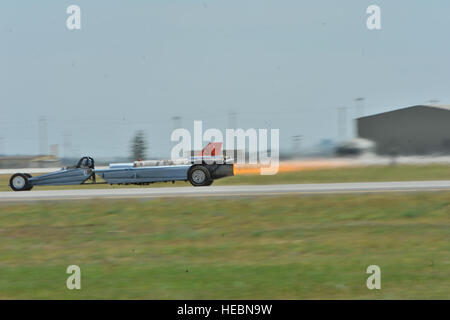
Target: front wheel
(19,182)
(199,176)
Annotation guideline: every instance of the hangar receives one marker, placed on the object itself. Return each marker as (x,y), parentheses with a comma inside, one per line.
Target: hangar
(416,130)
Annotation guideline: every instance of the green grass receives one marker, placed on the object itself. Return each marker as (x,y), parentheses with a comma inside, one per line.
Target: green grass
(291,247)
(357,174)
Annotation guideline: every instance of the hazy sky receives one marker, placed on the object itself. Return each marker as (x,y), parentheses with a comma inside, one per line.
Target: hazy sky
(278,64)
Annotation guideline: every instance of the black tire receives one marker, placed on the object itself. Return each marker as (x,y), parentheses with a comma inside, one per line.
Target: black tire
(19,182)
(199,176)
(209,183)
(30,186)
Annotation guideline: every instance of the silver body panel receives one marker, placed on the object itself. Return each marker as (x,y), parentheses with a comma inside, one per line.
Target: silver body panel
(62,177)
(144,174)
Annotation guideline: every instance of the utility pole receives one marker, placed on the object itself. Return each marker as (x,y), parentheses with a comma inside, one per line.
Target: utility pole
(42,135)
(359,113)
(342,123)
(360,107)
(176,122)
(232,119)
(296,144)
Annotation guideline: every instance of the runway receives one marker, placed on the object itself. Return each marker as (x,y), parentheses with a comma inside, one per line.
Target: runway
(226,191)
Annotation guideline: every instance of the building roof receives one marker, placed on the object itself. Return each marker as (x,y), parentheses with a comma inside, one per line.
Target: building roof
(447,107)
(443,107)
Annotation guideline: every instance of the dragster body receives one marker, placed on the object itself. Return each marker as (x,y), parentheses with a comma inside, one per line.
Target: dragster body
(198,170)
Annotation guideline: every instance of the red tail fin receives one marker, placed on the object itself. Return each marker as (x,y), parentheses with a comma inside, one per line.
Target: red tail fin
(211,149)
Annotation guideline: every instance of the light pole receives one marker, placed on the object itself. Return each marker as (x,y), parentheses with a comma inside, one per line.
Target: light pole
(232,119)
(176,122)
(296,144)
(342,123)
(42,134)
(359,113)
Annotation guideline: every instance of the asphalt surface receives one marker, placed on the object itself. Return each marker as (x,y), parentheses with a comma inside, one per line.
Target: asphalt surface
(226,191)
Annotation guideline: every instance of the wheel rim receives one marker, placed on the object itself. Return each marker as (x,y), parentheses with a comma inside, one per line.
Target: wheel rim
(18,182)
(198,176)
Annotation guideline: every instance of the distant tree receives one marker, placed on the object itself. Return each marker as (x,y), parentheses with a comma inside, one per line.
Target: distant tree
(138,146)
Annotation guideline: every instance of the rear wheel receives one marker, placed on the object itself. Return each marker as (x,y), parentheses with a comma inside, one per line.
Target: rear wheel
(209,183)
(19,182)
(199,176)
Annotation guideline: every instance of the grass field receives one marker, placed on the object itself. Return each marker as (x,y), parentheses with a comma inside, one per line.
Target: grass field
(357,174)
(290,247)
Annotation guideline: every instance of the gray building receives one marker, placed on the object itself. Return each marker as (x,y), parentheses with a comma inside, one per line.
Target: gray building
(417,130)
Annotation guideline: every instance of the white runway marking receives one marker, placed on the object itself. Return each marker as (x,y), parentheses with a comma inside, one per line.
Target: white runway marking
(226,191)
